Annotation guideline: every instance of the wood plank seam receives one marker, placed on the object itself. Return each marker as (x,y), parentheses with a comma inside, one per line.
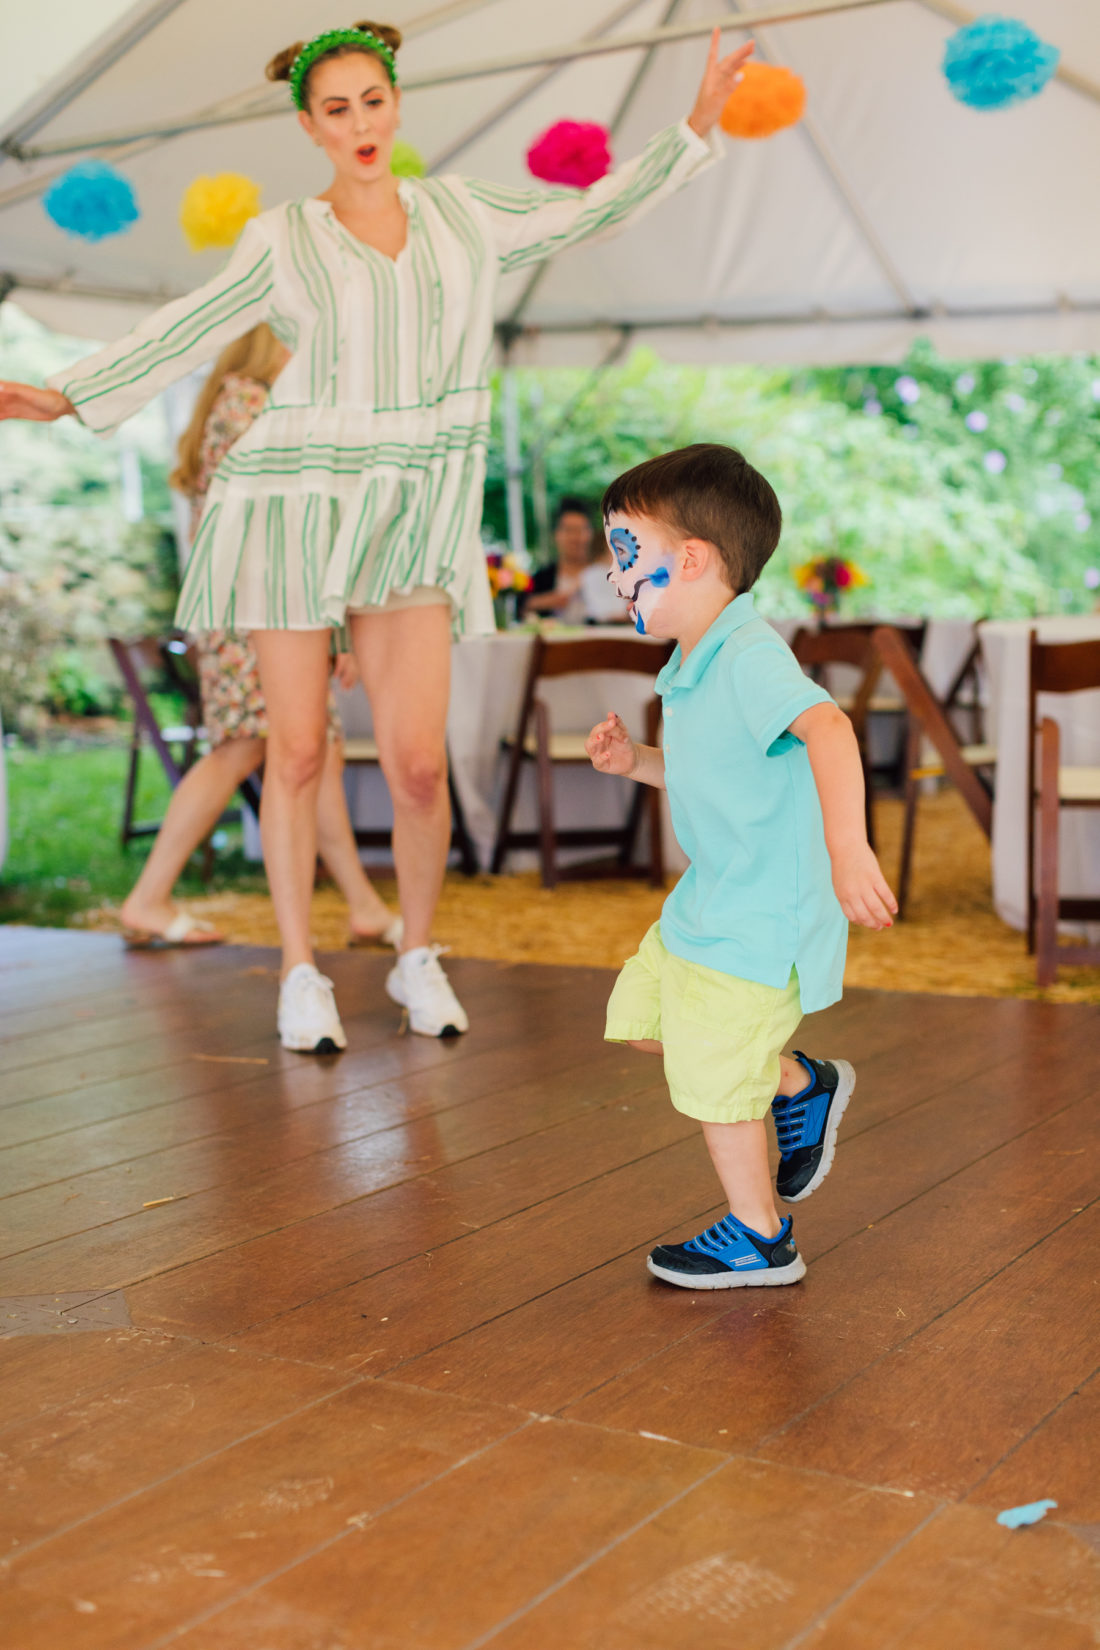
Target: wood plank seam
(227,1134)
(330,1541)
(923,1328)
(166,1478)
(1038,1427)
(714,1211)
(593,1558)
(823,1616)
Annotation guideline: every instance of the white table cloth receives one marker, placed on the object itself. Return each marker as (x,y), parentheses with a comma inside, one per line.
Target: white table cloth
(1005,648)
(487,680)
(488,675)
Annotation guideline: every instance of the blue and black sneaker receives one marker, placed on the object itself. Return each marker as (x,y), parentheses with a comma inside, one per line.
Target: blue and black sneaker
(729,1255)
(806,1126)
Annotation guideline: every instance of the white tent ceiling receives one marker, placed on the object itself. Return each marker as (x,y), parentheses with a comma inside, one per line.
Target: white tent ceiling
(891,212)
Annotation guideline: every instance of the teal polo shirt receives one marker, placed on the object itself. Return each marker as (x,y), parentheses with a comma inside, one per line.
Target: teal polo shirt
(757,898)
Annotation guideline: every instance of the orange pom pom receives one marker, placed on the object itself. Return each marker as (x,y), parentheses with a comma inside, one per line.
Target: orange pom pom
(767,99)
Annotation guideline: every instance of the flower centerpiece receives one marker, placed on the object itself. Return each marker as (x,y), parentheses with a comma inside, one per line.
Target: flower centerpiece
(823,580)
(507,580)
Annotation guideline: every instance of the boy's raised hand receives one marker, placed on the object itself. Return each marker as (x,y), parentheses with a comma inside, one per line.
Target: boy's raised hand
(861,888)
(610,747)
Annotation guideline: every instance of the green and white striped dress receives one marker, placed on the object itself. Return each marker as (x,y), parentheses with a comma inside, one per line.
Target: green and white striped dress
(363,475)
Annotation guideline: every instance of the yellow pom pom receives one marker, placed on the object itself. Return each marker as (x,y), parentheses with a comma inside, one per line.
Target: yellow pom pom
(767,99)
(215,210)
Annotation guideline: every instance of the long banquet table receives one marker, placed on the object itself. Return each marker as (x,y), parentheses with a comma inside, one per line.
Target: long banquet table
(488,674)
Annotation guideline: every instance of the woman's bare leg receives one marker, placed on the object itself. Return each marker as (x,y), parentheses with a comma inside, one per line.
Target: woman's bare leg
(336,844)
(196,805)
(294,673)
(405,662)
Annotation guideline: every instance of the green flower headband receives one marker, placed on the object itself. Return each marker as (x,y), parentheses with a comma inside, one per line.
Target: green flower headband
(322,43)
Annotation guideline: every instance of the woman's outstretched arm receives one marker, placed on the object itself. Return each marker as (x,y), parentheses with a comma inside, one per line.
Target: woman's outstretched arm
(106,388)
(527,225)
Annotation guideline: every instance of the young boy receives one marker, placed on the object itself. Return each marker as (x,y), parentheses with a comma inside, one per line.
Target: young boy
(766,793)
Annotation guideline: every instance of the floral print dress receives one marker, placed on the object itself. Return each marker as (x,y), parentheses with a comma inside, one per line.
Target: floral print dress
(229,677)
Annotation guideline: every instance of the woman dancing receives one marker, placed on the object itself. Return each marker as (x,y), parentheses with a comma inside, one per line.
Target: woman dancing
(356,495)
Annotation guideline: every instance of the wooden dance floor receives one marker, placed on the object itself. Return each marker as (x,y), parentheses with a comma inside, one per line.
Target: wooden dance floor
(360,1353)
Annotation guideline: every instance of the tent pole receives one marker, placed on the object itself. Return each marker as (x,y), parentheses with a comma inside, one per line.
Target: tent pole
(277,105)
(1070,77)
(119,41)
(513,461)
(503,110)
(538,274)
(812,134)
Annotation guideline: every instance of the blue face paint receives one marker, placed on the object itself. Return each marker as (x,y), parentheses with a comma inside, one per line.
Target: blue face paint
(624,547)
(660,579)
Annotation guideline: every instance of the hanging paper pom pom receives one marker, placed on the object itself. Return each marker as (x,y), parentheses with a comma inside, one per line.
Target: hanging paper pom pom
(766,99)
(213,211)
(91,200)
(407,162)
(574,152)
(995,61)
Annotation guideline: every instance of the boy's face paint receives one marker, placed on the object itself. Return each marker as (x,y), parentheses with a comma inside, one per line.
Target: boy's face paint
(640,573)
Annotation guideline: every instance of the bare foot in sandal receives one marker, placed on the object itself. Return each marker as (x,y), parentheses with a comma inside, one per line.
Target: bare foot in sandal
(167,929)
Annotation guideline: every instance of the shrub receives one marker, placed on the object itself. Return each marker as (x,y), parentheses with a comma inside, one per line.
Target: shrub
(69,578)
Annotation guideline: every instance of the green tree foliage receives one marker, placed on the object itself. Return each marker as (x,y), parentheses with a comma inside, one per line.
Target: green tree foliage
(72,569)
(866,468)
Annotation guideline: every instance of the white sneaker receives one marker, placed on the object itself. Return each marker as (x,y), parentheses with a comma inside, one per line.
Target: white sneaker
(308,1020)
(419,984)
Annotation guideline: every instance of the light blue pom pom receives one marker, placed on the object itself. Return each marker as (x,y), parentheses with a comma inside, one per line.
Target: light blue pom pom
(91,200)
(996,61)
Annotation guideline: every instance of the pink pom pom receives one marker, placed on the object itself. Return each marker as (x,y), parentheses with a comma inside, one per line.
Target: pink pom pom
(572,152)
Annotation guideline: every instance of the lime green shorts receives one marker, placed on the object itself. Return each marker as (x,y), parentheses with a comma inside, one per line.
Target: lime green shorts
(722,1036)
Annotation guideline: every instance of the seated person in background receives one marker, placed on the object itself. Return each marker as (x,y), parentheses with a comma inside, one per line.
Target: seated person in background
(573,587)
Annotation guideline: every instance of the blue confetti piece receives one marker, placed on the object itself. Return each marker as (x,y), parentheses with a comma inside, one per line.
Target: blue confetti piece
(997,61)
(1014,1518)
(91,200)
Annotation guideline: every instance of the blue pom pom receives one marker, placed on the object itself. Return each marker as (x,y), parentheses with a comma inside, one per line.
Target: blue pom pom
(996,61)
(91,200)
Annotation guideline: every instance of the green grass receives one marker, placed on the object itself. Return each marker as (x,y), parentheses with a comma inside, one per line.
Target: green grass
(64,852)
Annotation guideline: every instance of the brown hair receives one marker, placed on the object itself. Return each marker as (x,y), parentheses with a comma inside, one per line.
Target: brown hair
(257,355)
(706,492)
(280,66)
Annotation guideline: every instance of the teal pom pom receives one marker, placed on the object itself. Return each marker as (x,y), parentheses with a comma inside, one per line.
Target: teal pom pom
(996,61)
(91,200)
(407,162)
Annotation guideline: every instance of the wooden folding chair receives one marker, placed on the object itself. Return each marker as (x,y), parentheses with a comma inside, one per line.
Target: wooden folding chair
(964,694)
(847,645)
(968,766)
(363,753)
(176,747)
(1056,667)
(535,741)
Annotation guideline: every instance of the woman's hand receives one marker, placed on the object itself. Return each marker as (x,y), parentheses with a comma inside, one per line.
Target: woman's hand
(345,671)
(719,78)
(27,401)
(610,748)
